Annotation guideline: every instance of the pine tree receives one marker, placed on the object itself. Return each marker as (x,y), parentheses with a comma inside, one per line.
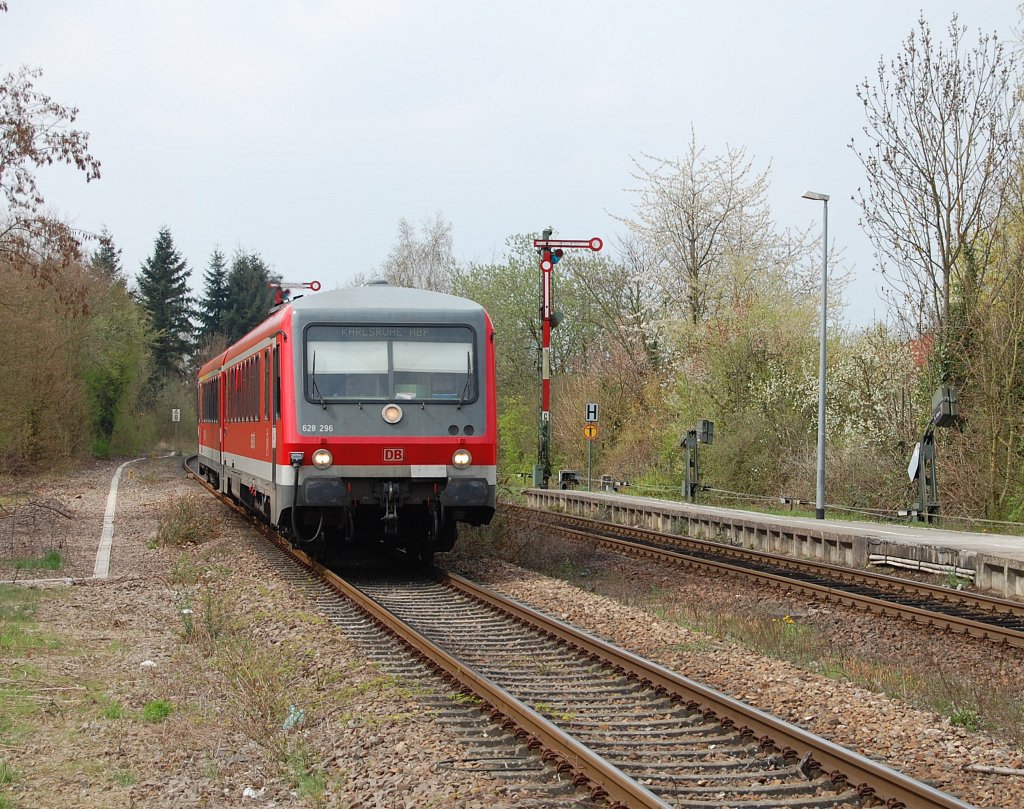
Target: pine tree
(215,297)
(105,262)
(249,296)
(163,292)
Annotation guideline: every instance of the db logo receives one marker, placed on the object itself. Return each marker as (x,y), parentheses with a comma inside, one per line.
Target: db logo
(394,455)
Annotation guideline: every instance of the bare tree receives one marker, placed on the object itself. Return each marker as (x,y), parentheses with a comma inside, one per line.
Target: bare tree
(424,259)
(942,141)
(695,214)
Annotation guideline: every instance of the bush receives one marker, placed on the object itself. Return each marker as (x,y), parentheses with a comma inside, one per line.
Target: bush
(184,523)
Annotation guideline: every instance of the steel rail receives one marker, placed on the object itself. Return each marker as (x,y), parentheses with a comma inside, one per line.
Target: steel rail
(610,782)
(867,775)
(596,531)
(981,601)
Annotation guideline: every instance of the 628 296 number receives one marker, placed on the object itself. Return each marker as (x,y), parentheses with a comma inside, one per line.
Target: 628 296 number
(318,428)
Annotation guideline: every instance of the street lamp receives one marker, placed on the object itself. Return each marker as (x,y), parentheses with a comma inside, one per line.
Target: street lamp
(819,500)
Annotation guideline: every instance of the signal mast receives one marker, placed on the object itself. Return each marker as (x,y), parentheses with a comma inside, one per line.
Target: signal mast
(551,252)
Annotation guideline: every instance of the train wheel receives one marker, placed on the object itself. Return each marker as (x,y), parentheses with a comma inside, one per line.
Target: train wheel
(442,532)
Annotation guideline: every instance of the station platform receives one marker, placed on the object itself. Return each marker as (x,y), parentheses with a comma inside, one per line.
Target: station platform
(993,562)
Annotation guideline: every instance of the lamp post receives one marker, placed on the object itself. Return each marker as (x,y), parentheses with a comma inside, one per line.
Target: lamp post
(819,500)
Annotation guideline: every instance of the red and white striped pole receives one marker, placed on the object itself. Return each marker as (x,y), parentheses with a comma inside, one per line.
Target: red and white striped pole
(551,251)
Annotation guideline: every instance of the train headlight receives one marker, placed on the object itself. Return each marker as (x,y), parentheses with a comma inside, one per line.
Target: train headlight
(391,413)
(322,458)
(461,458)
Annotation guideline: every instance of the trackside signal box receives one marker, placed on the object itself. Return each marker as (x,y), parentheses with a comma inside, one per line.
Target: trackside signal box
(945,408)
(705,431)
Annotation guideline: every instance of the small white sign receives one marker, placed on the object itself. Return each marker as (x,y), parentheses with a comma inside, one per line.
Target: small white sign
(175,414)
(590,413)
(915,462)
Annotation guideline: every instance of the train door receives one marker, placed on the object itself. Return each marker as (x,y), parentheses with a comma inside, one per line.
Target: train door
(222,409)
(274,380)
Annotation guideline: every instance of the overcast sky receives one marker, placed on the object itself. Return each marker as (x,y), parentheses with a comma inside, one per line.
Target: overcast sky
(304,129)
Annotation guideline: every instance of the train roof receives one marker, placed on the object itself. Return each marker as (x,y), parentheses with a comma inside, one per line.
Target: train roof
(376,302)
(380,298)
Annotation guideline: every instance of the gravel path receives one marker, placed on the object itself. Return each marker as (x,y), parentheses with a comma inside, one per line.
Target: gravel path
(73,717)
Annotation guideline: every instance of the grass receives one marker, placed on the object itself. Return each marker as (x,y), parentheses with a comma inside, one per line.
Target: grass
(204,622)
(306,774)
(51,560)
(156,711)
(8,775)
(124,778)
(17,604)
(18,632)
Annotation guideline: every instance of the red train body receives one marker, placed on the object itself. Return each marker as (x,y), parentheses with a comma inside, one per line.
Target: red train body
(357,417)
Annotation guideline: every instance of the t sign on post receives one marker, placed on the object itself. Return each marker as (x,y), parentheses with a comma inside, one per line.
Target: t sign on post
(551,252)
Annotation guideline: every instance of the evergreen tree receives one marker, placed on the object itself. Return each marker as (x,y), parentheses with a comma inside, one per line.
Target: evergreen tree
(215,296)
(249,296)
(105,262)
(163,292)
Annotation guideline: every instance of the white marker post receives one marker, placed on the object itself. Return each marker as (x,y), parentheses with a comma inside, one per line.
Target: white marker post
(176,418)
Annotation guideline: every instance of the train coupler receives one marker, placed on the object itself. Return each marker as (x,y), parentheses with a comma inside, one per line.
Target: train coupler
(390,518)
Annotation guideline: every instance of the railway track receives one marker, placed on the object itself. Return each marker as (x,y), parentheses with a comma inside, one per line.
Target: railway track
(994,619)
(627,731)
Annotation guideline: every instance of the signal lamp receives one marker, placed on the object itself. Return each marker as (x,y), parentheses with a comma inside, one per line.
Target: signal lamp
(391,413)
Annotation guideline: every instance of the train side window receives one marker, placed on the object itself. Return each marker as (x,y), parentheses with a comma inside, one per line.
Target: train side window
(277,382)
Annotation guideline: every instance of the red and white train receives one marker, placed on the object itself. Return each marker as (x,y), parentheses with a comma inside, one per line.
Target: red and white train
(357,417)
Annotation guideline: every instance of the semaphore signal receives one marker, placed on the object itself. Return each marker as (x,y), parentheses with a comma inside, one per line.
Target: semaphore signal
(551,251)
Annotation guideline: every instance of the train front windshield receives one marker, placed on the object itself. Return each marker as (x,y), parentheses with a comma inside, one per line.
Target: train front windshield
(361,363)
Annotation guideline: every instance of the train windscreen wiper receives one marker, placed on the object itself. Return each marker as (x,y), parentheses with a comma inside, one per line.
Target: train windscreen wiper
(467,389)
(316,389)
